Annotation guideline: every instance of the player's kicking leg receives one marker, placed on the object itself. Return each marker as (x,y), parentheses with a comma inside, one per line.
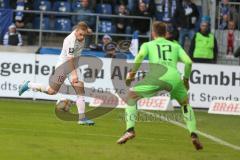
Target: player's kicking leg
(55,82)
(37,87)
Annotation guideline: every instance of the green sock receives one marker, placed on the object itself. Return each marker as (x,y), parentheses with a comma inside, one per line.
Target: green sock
(131,114)
(189,118)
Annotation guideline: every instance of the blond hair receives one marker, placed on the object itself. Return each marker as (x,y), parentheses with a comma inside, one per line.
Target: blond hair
(160,28)
(82,25)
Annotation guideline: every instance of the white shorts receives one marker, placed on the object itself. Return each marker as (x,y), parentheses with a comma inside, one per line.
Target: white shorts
(69,76)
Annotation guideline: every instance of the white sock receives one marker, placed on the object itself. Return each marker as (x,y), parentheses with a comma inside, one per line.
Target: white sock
(38,87)
(81,106)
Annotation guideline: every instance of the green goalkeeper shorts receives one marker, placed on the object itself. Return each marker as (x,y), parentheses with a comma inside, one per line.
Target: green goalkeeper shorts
(169,81)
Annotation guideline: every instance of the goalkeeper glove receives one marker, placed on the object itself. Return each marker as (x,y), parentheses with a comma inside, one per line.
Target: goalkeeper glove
(130,77)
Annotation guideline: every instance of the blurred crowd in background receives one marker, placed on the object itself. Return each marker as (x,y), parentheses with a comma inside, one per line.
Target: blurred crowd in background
(184,16)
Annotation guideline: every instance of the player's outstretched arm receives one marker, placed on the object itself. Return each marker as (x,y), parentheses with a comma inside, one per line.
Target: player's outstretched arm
(183,57)
(137,63)
(140,57)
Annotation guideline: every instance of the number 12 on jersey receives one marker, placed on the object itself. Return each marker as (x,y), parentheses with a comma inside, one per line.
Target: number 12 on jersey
(163,51)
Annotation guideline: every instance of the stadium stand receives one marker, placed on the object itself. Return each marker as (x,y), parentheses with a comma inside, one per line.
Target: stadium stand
(45,23)
(43,5)
(62,6)
(106,27)
(84,7)
(63,24)
(4,4)
(104,8)
(19,13)
(76,5)
(57,20)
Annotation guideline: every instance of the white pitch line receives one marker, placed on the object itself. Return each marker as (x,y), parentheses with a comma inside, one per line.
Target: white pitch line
(215,139)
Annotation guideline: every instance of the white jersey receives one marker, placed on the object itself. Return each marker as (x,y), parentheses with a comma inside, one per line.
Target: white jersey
(71,48)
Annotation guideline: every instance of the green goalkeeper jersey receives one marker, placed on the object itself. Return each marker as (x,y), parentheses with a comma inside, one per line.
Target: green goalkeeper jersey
(164,52)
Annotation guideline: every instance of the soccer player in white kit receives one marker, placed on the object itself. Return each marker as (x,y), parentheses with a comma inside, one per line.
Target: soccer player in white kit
(66,68)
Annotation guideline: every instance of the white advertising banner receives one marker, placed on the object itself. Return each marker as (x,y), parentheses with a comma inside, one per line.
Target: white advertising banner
(160,103)
(225,107)
(208,82)
(214,82)
(14,69)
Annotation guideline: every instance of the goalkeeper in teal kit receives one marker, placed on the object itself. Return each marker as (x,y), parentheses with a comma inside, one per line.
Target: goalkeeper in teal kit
(163,75)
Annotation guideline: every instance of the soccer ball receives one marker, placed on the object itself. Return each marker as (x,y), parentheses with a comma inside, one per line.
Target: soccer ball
(63,105)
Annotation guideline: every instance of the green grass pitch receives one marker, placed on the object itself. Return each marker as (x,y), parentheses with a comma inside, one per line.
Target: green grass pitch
(31,131)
